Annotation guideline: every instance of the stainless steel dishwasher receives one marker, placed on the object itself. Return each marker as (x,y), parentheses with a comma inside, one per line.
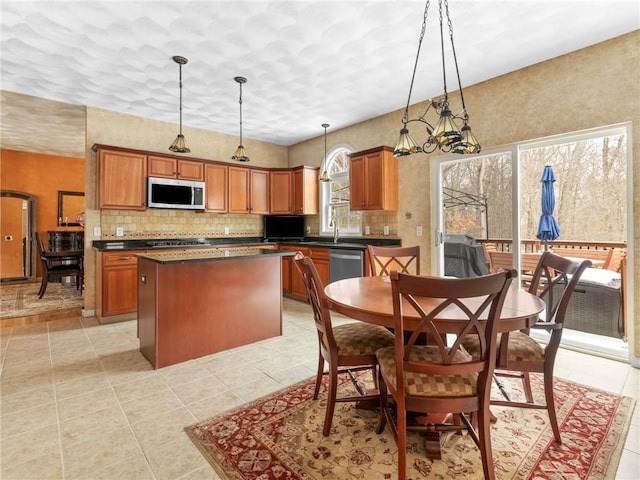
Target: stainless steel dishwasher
(345,264)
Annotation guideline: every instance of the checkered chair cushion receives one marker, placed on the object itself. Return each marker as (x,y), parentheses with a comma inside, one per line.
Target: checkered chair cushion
(522,348)
(361,338)
(418,384)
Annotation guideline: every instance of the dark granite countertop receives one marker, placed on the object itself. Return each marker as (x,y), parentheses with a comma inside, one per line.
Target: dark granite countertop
(212,255)
(359,243)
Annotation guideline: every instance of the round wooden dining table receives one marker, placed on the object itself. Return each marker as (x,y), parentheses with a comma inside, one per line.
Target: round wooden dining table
(369,300)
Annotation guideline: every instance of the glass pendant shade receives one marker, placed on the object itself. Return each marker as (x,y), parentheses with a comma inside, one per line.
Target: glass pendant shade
(240,155)
(446,132)
(468,144)
(325,176)
(406,145)
(179,145)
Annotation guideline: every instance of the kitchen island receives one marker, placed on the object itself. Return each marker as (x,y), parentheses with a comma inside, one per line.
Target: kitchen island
(198,303)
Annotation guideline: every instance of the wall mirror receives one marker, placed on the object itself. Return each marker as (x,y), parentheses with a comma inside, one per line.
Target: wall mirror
(70,206)
(17,231)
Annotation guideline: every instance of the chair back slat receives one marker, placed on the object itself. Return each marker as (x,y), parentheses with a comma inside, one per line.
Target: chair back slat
(384,260)
(477,302)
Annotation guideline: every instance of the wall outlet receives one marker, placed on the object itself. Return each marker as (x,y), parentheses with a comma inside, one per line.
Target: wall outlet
(308,229)
(97,232)
(419,230)
(226,230)
(119,231)
(385,230)
(367,230)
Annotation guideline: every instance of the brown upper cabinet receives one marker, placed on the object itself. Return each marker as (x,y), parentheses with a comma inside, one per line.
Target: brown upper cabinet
(294,191)
(122,183)
(305,190)
(280,200)
(168,167)
(216,188)
(373,180)
(248,190)
(122,179)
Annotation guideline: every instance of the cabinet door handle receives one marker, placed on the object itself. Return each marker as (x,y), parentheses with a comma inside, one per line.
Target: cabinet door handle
(124,258)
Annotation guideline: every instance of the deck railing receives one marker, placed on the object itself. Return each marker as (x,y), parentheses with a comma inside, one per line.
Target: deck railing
(529,246)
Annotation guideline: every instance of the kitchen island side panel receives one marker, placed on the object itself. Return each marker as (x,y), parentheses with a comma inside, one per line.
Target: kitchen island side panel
(210,306)
(147,309)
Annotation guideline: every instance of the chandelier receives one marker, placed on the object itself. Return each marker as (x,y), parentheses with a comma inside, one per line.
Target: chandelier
(179,145)
(445,135)
(240,155)
(324,177)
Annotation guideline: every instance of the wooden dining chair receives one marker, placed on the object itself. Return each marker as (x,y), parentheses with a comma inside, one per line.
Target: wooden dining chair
(58,267)
(345,348)
(438,378)
(383,260)
(554,280)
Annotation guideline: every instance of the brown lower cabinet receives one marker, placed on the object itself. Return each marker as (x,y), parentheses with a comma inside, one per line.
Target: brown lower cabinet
(119,284)
(292,282)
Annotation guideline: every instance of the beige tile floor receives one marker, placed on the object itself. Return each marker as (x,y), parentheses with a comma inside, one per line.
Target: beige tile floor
(80,402)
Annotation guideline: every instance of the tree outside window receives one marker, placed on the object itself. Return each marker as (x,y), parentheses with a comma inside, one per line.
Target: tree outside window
(335,197)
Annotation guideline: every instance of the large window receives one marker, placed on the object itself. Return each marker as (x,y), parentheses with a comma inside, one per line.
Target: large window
(334,197)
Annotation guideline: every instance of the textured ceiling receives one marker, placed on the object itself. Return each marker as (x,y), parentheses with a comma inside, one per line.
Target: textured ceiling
(307,63)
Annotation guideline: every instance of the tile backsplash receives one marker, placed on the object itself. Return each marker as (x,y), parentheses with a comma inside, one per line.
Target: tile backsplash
(186,224)
(178,223)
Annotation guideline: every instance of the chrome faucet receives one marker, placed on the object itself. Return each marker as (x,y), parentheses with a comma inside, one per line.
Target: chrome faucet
(336,231)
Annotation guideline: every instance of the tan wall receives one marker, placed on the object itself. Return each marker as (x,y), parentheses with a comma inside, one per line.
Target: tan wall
(43,176)
(589,88)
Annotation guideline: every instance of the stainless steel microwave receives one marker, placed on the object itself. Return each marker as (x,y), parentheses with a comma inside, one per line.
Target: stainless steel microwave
(174,193)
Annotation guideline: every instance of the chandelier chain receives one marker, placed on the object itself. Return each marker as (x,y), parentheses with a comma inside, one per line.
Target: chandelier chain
(455,59)
(444,69)
(405,118)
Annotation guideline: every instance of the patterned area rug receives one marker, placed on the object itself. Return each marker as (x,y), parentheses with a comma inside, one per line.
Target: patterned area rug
(280,437)
(22,300)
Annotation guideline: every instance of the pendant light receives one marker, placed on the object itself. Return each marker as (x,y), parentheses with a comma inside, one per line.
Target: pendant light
(324,177)
(240,155)
(179,145)
(445,135)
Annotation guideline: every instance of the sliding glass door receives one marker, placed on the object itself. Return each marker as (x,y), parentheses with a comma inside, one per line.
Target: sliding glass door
(494,200)
(474,208)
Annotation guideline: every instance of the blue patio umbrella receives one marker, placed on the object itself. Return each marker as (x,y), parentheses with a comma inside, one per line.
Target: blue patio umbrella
(548,228)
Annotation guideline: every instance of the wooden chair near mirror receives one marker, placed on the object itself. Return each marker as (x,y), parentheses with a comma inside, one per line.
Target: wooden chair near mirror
(57,265)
